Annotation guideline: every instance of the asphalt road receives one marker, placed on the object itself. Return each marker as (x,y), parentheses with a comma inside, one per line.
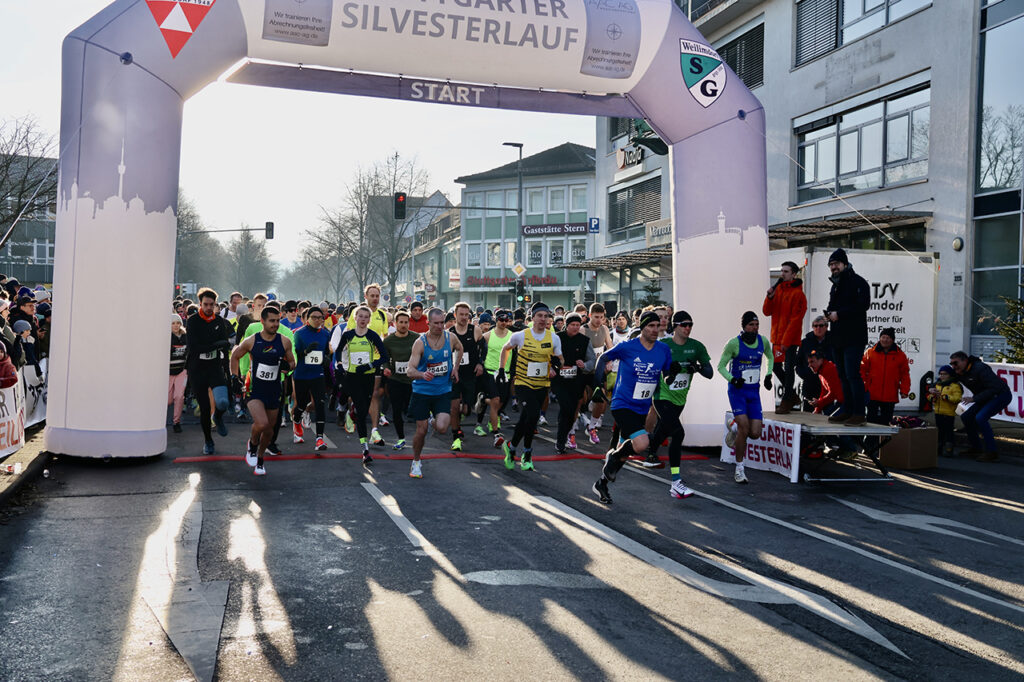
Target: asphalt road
(324,570)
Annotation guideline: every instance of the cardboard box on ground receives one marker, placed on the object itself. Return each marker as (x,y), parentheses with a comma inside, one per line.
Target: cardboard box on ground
(912,449)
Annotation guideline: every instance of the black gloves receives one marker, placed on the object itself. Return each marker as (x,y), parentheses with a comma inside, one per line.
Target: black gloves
(675,368)
(693,367)
(556,364)
(363,369)
(737,382)
(768,382)
(236,384)
(502,379)
(598,396)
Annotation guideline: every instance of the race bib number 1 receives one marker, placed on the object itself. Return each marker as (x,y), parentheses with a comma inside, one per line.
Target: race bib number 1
(751,376)
(643,391)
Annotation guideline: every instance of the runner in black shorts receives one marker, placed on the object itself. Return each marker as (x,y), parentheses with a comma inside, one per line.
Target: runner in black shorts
(271,354)
(470,367)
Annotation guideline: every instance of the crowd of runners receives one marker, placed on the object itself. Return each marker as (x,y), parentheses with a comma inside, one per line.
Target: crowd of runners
(463,370)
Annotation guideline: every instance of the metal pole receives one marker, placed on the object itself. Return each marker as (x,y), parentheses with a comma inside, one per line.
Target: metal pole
(519,208)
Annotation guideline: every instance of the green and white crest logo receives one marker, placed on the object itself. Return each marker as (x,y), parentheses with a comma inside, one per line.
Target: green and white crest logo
(703,72)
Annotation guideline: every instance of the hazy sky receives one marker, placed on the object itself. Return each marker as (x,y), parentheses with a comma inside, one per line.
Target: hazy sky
(255,154)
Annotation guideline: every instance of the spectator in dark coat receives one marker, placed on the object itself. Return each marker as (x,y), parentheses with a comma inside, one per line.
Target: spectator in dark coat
(818,339)
(848,305)
(990,396)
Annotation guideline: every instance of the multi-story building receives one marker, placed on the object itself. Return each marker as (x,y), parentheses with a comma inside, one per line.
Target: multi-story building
(27,255)
(891,124)
(436,261)
(558,200)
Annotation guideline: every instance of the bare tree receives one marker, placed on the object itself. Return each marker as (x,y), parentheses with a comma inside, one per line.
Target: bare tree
(1001,148)
(249,266)
(200,257)
(28,173)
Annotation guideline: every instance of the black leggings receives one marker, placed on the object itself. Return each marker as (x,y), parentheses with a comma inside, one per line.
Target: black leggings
(359,387)
(399,393)
(304,390)
(201,383)
(567,393)
(531,400)
(785,371)
(668,425)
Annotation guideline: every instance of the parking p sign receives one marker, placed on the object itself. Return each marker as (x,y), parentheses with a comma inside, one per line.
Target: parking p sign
(595,225)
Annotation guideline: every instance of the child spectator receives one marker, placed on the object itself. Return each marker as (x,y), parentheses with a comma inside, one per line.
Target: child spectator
(945,395)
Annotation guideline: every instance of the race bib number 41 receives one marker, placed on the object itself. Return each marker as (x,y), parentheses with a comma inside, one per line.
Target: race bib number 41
(401,368)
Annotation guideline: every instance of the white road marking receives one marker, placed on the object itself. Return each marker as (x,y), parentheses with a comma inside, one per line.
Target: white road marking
(761,590)
(839,543)
(330,443)
(926,522)
(538,578)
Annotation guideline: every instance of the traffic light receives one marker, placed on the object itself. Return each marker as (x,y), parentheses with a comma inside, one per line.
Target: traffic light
(399,205)
(527,299)
(520,290)
(177,290)
(270,230)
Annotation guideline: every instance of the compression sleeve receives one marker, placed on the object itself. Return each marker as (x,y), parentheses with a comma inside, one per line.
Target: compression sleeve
(769,354)
(731,350)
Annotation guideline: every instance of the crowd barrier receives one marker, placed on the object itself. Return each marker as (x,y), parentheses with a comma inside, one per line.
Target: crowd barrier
(21,406)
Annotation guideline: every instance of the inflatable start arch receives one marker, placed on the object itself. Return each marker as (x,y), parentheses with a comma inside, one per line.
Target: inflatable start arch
(128,71)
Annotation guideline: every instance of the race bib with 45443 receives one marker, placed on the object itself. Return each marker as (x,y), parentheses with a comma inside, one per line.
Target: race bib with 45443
(437,368)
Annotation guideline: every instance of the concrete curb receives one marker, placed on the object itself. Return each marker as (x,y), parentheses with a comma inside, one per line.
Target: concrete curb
(32,458)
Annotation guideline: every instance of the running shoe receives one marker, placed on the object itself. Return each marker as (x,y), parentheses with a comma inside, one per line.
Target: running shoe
(652,462)
(399,445)
(222,428)
(515,405)
(208,448)
(542,421)
(479,431)
(526,460)
(457,445)
(572,442)
(560,449)
(375,438)
(610,470)
(739,476)
(259,471)
(383,421)
(416,470)
(594,438)
(350,426)
(307,420)
(479,407)
(320,444)
(510,456)
(250,453)
(679,490)
(367,460)
(601,488)
(297,433)
(502,417)
(273,450)
(176,428)
(583,422)
(498,439)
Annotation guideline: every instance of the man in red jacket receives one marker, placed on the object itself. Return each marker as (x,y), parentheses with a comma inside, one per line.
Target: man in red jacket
(886,372)
(831,396)
(786,304)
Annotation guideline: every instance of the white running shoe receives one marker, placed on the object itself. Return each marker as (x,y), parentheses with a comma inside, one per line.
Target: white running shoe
(542,421)
(307,420)
(259,471)
(739,476)
(679,490)
(250,456)
(416,471)
(383,421)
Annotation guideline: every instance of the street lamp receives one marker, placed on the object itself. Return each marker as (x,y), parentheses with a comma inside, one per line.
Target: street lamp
(519,203)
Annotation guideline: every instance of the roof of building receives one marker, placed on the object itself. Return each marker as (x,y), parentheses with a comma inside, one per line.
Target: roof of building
(565,158)
(651,254)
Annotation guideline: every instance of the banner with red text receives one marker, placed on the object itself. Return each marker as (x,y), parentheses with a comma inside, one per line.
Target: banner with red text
(12,418)
(778,449)
(1013,375)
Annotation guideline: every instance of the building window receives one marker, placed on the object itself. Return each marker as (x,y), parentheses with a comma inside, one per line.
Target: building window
(43,251)
(493,201)
(745,56)
(473,251)
(877,145)
(556,200)
(617,127)
(474,200)
(824,25)
(577,250)
(510,254)
(631,208)
(1000,150)
(997,250)
(494,255)
(535,254)
(556,253)
(535,201)
(511,200)
(579,200)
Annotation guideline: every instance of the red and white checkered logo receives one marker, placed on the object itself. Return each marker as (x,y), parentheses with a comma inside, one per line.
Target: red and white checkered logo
(178,20)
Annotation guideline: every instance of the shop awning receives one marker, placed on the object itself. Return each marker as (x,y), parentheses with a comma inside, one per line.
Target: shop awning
(652,254)
(848,223)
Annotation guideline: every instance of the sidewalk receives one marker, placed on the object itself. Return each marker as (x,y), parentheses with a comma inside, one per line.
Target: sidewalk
(31,460)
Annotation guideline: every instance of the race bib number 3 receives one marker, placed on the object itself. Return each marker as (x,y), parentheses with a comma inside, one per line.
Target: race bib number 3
(751,376)
(438,368)
(680,382)
(401,368)
(465,360)
(315,357)
(643,391)
(536,370)
(267,372)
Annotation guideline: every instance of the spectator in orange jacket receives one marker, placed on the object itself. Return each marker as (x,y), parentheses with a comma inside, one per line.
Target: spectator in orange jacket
(831,396)
(786,304)
(886,373)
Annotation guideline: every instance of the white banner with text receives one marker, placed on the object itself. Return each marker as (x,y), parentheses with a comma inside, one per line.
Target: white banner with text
(778,449)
